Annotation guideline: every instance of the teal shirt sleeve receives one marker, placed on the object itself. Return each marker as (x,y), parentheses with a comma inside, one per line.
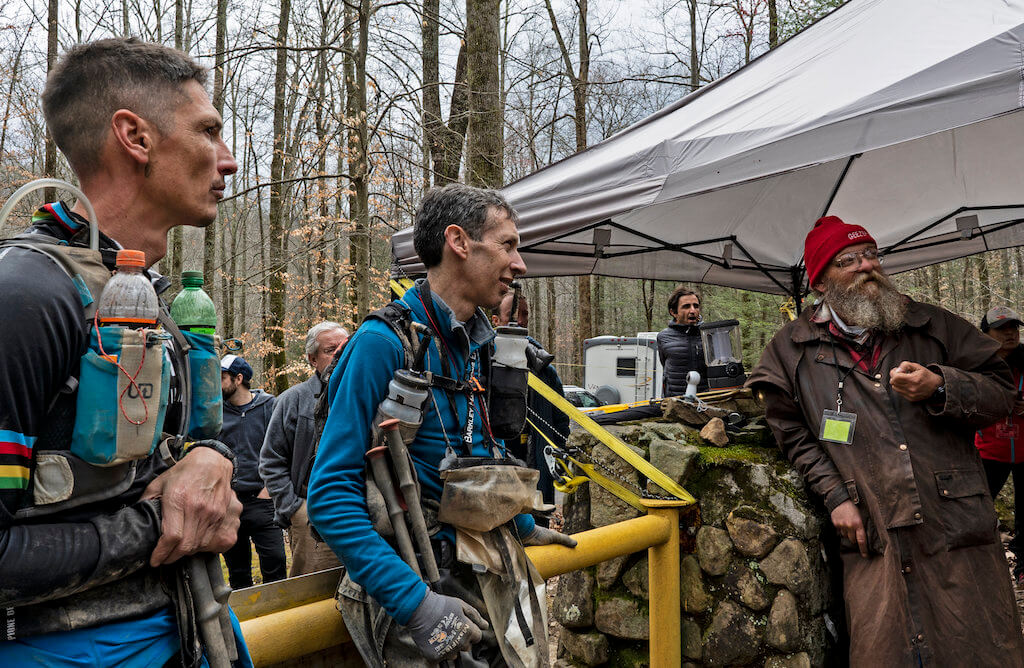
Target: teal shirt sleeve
(524,525)
(337,485)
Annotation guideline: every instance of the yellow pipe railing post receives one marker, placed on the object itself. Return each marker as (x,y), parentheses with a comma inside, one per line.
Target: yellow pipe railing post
(289,633)
(663,586)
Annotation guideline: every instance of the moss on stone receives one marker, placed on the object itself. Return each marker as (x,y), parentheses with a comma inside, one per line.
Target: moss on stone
(618,590)
(712,456)
(630,656)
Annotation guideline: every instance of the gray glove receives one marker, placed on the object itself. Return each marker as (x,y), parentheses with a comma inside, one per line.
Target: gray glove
(442,626)
(543,536)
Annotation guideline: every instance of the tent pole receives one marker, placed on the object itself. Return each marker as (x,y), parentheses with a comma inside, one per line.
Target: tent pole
(797,296)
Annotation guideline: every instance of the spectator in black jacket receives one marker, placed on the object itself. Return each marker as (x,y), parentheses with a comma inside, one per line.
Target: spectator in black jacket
(679,345)
(246,415)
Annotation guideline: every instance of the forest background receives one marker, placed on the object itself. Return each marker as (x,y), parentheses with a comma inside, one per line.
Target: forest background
(342,113)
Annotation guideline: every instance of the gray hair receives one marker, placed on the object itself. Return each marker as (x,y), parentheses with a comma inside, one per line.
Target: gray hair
(312,345)
(454,204)
(92,81)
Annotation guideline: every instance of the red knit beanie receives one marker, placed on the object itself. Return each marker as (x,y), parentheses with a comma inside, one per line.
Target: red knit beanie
(829,236)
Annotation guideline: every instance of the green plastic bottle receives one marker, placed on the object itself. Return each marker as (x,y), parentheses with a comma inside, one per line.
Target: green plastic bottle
(193,310)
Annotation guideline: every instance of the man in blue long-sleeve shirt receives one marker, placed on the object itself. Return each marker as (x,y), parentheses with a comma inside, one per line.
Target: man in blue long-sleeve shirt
(467,239)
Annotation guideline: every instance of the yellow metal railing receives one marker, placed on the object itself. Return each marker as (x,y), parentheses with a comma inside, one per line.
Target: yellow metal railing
(276,636)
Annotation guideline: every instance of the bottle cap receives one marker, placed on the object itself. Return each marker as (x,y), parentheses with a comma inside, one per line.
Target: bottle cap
(131,258)
(192,279)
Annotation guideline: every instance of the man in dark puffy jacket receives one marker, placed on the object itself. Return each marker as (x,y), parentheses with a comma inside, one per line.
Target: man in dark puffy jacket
(679,344)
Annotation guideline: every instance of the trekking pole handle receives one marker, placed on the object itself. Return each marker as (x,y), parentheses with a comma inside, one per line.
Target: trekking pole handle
(382,476)
(407,483)
(207,612)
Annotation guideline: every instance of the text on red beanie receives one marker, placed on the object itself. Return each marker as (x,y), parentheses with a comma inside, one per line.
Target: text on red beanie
(829,236)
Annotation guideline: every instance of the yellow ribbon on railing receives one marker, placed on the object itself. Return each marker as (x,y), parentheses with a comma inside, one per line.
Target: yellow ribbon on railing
(615,445)
(568,483)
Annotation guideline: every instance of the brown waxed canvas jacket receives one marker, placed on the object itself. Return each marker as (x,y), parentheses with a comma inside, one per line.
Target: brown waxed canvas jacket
(936,583)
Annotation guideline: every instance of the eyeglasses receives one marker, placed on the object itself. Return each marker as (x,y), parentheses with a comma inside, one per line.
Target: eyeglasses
(853,258)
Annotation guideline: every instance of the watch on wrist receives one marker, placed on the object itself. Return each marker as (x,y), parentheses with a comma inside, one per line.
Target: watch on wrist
(939,393)
(219,447)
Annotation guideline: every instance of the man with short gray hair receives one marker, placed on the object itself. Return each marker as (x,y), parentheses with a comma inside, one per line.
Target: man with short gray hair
(289,450)
(92,553)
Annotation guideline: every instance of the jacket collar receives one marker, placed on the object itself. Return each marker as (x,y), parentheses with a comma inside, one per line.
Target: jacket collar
(468,336)
(688,329)
(804,329)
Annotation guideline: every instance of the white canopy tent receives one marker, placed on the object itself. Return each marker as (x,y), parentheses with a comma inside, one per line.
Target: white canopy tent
(903,116)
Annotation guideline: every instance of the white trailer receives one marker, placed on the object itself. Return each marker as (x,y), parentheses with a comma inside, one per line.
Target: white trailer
(623,369)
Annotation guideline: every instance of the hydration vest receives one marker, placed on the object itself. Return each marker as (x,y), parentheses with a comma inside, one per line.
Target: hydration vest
(122,431)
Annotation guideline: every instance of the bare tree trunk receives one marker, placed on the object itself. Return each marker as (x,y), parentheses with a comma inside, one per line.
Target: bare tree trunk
(580,82)
(174,254)
(319,279)
(358,166)
(210,233)
(694,58)
(276,360)
(984,284)
(773,24)
(443,142)
(50,159)
(647,291)
(10,94)
(549,294)
(229,277)
(484,154)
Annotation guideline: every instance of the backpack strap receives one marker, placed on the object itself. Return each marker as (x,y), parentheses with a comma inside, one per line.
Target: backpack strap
(85,267)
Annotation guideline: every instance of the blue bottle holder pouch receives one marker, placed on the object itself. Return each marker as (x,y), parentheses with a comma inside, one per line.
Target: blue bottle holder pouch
(120,411)
(207,407)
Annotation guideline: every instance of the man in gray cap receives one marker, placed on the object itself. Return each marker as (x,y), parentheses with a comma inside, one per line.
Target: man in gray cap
(1002,453)
(246,415)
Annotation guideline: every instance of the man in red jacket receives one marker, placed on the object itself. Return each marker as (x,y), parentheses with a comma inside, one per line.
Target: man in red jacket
(1000,446)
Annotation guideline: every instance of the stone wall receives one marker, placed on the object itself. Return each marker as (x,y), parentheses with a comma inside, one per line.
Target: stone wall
(754,581)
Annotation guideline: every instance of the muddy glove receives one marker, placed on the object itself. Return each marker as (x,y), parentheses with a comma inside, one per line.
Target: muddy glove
(442,626)
(543,536)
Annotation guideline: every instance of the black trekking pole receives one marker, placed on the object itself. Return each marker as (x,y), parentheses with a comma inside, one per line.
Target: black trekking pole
(407,485)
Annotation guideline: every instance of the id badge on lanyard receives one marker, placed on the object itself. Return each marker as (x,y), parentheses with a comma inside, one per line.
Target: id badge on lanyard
(838,426)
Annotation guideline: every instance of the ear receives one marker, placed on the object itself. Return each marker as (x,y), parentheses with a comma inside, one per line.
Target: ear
(133,135)
(819,287)
(457,240)
(494,321)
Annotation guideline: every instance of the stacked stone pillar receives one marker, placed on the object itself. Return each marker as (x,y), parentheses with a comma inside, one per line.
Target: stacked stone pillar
(755,583)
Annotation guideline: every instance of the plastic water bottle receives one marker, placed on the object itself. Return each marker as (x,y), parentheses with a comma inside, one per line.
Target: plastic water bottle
(193,310)
(128,299)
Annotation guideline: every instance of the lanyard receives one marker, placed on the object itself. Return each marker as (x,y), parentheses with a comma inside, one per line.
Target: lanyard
(471,386)
(840,379)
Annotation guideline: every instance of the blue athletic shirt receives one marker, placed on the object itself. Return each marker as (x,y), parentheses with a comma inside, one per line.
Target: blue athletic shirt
(337,486)
(139,643)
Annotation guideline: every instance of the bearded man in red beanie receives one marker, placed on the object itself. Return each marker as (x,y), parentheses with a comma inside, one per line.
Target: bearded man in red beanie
(875,399)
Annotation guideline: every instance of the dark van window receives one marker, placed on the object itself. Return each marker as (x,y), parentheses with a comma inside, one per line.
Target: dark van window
(625,367)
